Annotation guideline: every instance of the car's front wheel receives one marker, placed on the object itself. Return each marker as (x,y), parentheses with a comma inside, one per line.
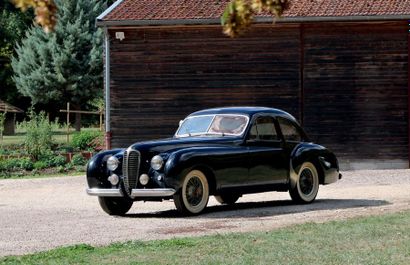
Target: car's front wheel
(307,185)
(115,205)
(194,194)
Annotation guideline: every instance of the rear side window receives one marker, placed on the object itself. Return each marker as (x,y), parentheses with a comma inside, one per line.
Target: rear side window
(289,130)
(263,129)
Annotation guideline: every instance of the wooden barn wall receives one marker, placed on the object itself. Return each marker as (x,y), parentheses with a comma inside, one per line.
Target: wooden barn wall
(355,88)
(350,91)
(160,75)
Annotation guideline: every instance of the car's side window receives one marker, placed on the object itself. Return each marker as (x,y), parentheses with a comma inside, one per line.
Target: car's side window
(289,130)
(263,129)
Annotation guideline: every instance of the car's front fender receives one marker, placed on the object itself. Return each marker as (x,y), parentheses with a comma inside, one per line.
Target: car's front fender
(209,159)
(96,169)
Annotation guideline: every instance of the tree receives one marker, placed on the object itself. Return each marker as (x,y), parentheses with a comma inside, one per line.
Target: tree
(238,14)
(45,11)
(66,64)
(13,24)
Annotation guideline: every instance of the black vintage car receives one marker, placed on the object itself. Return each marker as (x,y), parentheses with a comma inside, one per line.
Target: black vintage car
(224,152)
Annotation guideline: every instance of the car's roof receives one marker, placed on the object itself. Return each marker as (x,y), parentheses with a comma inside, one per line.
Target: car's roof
(243,110)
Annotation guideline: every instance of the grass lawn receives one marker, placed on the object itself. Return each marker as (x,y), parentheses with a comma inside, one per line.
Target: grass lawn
(371,240)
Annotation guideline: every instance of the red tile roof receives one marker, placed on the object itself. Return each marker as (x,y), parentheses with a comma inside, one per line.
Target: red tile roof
(135,12)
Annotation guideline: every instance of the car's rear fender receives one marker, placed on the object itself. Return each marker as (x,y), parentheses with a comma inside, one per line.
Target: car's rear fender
(324,160)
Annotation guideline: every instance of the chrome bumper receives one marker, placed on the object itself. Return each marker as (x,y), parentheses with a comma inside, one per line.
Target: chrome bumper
(152,192)
(135,193)
(105,192)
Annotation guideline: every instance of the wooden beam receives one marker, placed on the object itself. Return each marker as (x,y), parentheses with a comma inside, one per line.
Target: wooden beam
(81,111)
(408,91)
(68,122)
(301,74)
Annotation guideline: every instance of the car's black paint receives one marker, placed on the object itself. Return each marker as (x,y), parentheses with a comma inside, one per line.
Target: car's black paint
(97,172)
(230,163)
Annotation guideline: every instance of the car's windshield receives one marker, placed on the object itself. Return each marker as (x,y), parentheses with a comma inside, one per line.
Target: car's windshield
(220,124)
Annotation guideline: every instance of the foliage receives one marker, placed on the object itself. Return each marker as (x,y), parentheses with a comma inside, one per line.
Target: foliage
(52,160)
(57,161)
(45,11)
(66,64)
(238,14)
(78,160)
(84,140)
(14,164)
(38,139)
(98,143)
(48,163)
(13,24)
(97,103)
(40,165)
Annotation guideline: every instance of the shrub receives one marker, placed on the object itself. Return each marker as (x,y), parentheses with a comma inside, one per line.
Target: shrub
(58,161)
(52,160)
(39,135)
(14,164)
(65,148)
(84,140)
(78,160)
(98,143)
(60,169)
(4,151)
(26,163)
(69,166)
(40,165)
(3,165)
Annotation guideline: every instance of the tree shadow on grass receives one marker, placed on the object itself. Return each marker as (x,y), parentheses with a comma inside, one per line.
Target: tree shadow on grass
(265,208)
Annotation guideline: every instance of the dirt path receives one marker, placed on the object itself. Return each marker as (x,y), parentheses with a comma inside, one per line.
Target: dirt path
(42,214)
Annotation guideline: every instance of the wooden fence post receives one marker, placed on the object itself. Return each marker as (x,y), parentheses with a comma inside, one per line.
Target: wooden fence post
(68,122)
(101,118)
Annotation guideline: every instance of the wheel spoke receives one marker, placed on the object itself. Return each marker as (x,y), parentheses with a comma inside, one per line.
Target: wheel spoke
(306,181)
(194,191)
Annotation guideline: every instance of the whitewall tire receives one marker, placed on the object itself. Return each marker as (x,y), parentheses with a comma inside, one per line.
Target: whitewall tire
(194,194)
(307,185)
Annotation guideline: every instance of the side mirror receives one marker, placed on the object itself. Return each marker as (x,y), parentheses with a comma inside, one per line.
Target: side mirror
(180,123)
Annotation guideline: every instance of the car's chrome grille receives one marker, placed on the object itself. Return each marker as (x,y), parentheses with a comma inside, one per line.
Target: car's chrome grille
(130,169)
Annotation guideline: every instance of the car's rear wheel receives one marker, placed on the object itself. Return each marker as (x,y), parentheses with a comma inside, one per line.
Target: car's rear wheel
(307,185)
(227,198)
(194,194)
(115,205)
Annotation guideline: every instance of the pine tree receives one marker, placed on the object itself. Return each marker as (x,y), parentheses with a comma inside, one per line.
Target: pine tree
(66,64)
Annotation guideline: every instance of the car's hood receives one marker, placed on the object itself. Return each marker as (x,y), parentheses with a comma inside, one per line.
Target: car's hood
(170,144)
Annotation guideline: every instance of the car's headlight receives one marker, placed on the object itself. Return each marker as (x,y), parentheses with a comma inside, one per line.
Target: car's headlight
(157,162)
(112,163)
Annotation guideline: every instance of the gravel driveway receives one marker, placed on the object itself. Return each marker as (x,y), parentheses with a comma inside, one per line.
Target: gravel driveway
(41,214)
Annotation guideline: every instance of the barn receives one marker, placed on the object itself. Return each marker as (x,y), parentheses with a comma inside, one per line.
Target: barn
(340,67)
